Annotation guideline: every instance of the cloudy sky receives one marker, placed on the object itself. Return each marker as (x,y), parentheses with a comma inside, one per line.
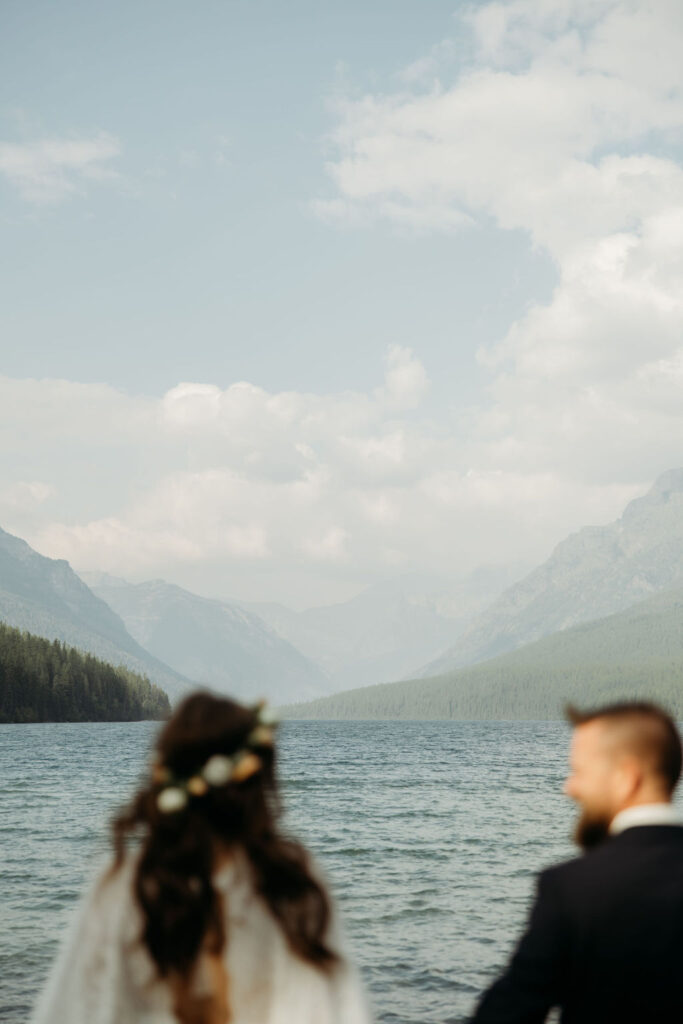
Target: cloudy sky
(299,297)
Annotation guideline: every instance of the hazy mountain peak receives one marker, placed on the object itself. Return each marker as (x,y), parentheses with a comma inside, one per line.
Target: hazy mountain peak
(14,544)
(671,480)
(218,643)
(594,572)
(20,550)
(666,490)
(95,578)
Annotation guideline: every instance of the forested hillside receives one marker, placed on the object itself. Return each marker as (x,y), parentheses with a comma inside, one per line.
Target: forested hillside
(636,653)
(46,681)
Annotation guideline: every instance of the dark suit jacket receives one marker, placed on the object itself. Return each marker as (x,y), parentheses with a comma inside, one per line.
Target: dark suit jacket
(605,938)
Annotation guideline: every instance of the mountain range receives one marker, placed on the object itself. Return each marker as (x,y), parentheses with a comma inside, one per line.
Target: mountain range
(415,627)
(177,639)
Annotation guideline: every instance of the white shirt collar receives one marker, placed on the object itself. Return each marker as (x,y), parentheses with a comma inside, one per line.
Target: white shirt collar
(645,814)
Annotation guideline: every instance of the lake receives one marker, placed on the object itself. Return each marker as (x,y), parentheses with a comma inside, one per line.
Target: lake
(430,833)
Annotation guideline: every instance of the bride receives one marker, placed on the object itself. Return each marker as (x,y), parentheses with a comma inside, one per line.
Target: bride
(208,914)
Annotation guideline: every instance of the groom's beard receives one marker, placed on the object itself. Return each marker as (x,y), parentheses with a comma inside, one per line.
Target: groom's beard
(591,829)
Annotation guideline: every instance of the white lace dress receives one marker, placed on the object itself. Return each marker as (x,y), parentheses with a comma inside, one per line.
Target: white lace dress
(104,975)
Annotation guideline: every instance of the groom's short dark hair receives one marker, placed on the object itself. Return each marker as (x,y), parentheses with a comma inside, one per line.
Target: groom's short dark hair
(648,730)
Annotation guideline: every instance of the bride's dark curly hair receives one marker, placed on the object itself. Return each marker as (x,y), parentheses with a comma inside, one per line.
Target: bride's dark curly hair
(182,912)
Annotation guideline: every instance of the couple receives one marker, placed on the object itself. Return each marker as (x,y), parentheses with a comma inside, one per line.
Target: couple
(213,916)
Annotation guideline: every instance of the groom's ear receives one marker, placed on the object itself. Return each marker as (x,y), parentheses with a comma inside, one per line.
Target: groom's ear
(628,777)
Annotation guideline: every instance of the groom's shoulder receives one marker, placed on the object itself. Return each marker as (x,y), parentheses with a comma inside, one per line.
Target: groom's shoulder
(623,854)
(569,871)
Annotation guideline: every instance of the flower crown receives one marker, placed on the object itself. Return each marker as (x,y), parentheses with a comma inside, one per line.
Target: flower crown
(219,770)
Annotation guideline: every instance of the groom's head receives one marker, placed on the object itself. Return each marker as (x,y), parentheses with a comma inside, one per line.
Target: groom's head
(622,755)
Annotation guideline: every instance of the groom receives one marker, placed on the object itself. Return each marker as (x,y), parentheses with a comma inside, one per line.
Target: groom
(605,938)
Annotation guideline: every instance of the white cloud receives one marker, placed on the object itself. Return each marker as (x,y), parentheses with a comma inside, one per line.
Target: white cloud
(522,131)
(222,484)
(330,547)
(25,495)
(405,216)
(51,170)
(406,381)
(561,123)
(25,501)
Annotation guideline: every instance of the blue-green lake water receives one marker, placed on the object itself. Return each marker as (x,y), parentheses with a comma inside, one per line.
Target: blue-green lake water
(430,834)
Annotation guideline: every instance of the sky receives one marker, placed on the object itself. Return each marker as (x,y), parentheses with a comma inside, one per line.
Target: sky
(301,297)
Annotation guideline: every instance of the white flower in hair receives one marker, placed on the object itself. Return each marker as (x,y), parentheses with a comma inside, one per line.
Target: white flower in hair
(218,770)
(266,716)
(171,799)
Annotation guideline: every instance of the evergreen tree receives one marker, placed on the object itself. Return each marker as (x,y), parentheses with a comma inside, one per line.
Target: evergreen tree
(46,681)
